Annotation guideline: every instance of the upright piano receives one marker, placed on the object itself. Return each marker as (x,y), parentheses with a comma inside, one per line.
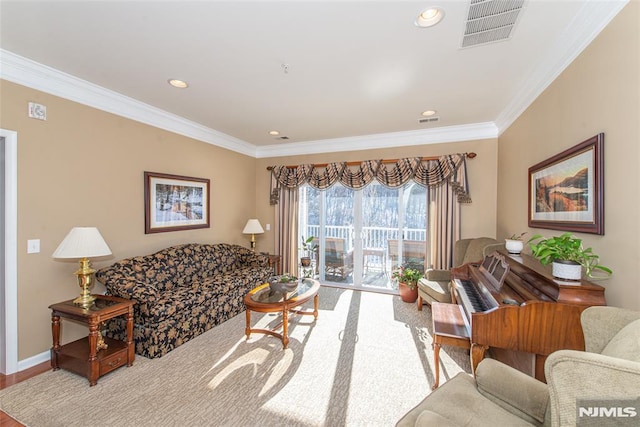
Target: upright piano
(513,305)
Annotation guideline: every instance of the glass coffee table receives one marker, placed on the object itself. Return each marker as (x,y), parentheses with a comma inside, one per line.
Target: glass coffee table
(264,300)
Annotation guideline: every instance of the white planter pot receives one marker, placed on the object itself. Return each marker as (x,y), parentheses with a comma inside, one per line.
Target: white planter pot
(568,270)
(513,246)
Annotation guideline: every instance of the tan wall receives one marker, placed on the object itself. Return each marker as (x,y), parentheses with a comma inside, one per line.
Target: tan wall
(478,218)
(598,92)
(84,167)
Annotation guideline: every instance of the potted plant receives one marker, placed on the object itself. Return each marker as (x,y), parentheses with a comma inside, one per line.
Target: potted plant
(568,256)
(283,283)
(308,248)
(514,244)
(407,279)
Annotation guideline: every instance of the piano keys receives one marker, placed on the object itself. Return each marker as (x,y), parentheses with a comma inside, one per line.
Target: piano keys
(513,303)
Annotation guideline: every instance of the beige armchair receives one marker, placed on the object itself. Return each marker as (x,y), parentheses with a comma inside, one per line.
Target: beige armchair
(606,375)
(435,284)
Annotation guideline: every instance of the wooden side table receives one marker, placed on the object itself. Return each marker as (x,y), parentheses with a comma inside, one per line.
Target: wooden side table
(274,263)
(83,356)
(449,328)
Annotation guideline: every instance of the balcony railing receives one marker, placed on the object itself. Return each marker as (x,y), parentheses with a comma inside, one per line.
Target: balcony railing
(372,237)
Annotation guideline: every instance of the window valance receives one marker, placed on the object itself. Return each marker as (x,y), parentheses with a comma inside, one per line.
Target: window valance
(428,172)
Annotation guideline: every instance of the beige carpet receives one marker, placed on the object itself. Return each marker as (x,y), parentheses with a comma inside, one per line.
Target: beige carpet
(365,362)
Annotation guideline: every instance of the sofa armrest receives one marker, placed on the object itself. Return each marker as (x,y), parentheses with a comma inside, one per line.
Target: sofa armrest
(575,375)
(600,324)
(438,275)
(253,259)
(513,390)
(134,290)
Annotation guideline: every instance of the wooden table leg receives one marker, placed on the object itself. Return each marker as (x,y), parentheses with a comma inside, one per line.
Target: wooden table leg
(436,361)
(247,329)
(285,327)
(131,354)
(55,331)
(94,365)
(315,307)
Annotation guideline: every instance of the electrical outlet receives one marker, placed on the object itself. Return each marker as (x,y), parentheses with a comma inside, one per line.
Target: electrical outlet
(37,111)
(268,227)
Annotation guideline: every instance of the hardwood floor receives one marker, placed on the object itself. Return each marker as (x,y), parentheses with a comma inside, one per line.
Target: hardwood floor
(9,380)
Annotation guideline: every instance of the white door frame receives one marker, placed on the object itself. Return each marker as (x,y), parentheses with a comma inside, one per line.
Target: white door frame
(9,313)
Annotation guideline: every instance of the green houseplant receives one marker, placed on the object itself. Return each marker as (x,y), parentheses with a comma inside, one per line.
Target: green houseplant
(308,248)
(407,279)
(566,249)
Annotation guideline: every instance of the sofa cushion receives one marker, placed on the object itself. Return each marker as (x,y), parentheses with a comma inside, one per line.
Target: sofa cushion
(437,291)
(626,343)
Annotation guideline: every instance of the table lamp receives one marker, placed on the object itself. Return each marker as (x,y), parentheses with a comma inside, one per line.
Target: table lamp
(253,227)
(82,243)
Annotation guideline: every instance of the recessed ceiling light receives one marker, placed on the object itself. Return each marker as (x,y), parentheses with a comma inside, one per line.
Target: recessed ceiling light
(274,132)
(429,113)
(178,83)
(430,17)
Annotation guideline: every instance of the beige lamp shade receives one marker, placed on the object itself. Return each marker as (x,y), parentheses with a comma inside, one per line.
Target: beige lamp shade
(253,227)
(82,242)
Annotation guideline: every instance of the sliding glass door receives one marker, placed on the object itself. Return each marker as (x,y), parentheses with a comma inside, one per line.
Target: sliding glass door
(362,235)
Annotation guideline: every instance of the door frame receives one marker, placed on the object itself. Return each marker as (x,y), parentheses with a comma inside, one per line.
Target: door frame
(9,311)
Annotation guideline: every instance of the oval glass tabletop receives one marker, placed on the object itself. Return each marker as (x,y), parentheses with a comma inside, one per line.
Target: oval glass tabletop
(264,294)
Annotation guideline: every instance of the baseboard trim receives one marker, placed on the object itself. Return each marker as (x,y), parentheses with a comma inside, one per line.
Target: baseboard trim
(34,360)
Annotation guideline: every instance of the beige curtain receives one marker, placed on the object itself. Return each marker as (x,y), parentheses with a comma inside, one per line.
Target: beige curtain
(445,178)
(287,229)
(444,216)
(444,225)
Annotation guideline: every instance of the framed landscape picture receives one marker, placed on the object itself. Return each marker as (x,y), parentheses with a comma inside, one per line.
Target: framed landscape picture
(174,202)
(566,192)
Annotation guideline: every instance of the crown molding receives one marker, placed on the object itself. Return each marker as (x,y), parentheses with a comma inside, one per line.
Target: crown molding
(26,72)
(440,135)
(592,18)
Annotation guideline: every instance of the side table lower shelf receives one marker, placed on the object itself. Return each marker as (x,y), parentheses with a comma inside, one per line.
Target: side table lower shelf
(74,357)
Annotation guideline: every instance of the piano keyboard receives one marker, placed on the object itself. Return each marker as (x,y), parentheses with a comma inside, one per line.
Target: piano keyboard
(472,299)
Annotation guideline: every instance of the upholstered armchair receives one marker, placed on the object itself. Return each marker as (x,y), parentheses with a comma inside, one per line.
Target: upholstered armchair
(435,284)
(606,374)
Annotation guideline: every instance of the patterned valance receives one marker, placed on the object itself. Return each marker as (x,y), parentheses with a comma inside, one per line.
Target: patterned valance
(428,173)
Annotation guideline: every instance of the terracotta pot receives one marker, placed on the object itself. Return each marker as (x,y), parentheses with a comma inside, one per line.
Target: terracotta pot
(305,261)
(407,294)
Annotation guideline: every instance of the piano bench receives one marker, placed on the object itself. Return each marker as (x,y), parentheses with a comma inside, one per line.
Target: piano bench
(431,291)
(449,328)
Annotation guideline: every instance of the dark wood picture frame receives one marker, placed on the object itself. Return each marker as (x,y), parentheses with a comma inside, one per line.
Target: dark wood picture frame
(566,191)
(175,202)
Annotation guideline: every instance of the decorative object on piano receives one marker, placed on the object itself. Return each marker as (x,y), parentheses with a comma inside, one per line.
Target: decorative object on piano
(407,279)
(514,244)
(566,191)
(564,251)
(283,283)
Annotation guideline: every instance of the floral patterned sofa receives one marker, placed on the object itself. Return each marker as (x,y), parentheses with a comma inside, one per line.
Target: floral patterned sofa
(182,291)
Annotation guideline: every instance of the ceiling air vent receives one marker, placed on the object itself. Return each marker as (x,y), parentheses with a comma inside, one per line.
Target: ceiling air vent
(429,120)
(283,138)
(490,21)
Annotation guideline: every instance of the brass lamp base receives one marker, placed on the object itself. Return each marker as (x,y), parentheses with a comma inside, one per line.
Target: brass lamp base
(85,275)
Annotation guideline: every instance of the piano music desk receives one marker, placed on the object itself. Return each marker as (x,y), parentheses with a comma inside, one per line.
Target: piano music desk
(449,328)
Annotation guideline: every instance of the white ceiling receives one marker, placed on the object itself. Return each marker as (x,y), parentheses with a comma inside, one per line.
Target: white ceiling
(359,72)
